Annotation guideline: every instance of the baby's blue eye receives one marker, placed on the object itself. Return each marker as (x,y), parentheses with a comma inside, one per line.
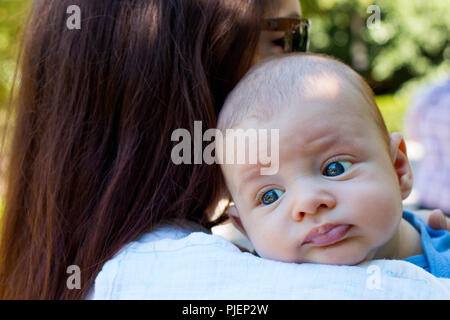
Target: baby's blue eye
(271,196)
(336,168)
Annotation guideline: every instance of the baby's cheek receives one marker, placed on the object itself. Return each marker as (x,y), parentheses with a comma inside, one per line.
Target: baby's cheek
(269,242)
(379,207)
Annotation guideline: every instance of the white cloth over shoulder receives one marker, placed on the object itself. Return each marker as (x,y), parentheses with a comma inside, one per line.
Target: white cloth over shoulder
(173,263)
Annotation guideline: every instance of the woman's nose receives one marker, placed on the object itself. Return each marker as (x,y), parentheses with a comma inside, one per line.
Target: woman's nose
(311,202)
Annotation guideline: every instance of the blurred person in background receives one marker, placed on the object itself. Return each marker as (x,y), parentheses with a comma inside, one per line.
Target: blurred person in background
(428,122)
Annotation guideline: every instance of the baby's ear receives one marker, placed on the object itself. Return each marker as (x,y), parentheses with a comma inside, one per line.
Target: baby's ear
(235,219)
(401,163)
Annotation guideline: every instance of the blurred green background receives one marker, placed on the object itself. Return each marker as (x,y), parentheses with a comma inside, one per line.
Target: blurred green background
(13,13)
(408,48)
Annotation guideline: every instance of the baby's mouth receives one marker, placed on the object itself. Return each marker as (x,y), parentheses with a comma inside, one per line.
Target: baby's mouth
(327,234)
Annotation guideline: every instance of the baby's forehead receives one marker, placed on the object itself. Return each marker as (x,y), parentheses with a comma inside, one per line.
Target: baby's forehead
(280,83)
(313,128)
(325,107)
(300,83)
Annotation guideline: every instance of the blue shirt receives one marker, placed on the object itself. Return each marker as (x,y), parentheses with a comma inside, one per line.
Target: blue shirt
(436,247)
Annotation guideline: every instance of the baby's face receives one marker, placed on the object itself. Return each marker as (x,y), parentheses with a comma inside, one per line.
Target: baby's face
(336,196)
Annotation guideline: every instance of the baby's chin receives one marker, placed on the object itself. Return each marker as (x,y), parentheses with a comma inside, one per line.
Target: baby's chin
(348,255)
(338,260)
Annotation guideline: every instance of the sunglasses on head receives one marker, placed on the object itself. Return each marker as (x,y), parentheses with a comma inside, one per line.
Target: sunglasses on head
(296,38)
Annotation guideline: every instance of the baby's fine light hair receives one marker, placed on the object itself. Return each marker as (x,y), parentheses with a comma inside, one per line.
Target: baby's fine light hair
(269,85)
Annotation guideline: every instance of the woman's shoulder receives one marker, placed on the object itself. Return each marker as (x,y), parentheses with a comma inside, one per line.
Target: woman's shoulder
(173,239)
(180,263)
(170,238)
(157,252)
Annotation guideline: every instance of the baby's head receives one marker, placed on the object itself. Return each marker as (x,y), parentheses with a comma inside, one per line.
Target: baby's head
(337,195)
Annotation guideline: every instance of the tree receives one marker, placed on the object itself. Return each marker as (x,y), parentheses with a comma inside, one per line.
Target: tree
(409,45)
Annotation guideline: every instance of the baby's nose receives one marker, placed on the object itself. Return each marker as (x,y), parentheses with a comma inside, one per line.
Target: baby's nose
(298,216)
(311,203)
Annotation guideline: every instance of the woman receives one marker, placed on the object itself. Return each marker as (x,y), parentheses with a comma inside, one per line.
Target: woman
(90,168)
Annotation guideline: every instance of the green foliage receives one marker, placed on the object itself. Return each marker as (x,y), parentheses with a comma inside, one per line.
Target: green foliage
(410,44)
(409,47)
(13,15)
(393,108)
(12,18)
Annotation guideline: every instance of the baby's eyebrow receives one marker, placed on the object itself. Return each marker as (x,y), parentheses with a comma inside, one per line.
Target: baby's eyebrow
(316,140)
(321,141)
(320,138)
(320,132)
(248,174)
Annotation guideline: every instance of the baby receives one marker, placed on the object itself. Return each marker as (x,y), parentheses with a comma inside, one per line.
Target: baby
(336,197)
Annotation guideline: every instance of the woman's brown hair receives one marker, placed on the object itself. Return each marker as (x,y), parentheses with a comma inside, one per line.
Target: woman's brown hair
(90,167)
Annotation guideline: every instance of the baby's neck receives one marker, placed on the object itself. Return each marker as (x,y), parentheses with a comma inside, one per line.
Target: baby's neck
(405,243)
